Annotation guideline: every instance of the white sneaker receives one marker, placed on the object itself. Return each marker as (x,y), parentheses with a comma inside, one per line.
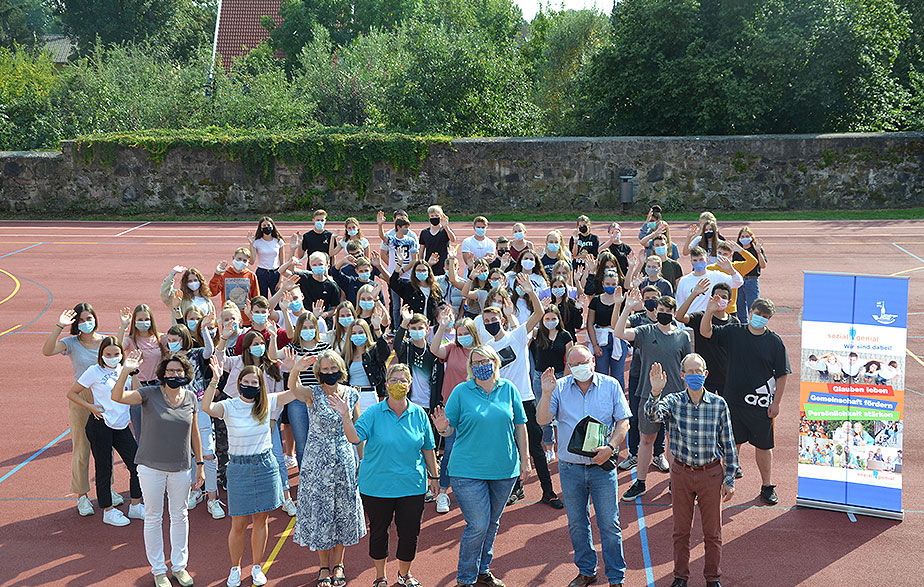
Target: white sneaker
(288,506)
(257,574)
(442,503)
(660,462)
(195,498)
(136,511)
(234,577)
(117,499)
(115,517)
(216,510)
(549,455)
(291,463)
(84,507)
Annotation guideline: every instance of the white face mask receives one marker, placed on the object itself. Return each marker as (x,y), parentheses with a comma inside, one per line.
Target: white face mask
(582,372)
(193,285)
(112,362)
(528,264)
(239,265)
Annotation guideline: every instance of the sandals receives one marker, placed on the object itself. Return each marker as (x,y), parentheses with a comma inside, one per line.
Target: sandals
(380,582)
(324,581)
(338,581)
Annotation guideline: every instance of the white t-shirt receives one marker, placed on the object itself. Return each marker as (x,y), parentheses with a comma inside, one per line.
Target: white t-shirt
(267,252)
(400,250)
(363,243)
(204,305)
(686,284)
(515,345)
(100,381)
(246,436)
(479,248)
(234,364)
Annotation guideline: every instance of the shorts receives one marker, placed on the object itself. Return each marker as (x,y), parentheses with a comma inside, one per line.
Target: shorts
(646,426)
(752,425)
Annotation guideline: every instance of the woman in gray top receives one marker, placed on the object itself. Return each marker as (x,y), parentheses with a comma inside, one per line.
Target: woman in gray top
(168,419)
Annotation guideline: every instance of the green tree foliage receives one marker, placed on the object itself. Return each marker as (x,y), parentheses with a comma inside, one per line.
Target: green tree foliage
(114,21)
(773,66)
(27,87)
(22,22)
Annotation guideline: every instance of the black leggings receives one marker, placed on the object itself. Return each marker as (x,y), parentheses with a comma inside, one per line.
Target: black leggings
(536,450)
(406,511)
(103,440)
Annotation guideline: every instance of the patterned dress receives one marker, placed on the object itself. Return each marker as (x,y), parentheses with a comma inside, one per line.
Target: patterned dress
(329,508)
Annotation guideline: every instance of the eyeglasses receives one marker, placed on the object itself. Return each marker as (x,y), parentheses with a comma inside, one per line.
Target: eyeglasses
(175,372)
(482,362)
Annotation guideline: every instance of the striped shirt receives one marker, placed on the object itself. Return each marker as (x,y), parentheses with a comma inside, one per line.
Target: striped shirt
(699,434)
(306,378)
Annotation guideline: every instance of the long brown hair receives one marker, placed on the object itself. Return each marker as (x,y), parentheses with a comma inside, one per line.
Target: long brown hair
(133,332)
(260,409)
(542,333)
(271,368)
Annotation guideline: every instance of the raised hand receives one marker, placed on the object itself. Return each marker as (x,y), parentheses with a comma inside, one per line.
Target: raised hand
(228,329)
(295,240)
(434,257)
(702,286)
(635,301)
(179,269)
(285,301)
(222,267)
(67,318)
(406,314)
(712,306)
(548,381)
(125,315)
(289,359)
(378,317)
(524,282)
(291,282)
(339,405)
(735,247)
(658,378)
(380,217)
(446,317)
(591,263)
(439,419)
(692,230)
(215,365)
(726,264)
(317,308)
(305,362)
(619,295)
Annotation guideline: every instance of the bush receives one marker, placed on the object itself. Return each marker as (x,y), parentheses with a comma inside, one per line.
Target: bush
(27,84)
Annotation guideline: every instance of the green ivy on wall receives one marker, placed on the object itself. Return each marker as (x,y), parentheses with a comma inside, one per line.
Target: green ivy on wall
(340,155)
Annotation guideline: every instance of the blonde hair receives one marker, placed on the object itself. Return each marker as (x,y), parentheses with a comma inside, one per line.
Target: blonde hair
(485,351)
(335,358)
(318,255)
(469,325)
(563,253)
(434,209)
(242,251)
(398,367)
(320,212)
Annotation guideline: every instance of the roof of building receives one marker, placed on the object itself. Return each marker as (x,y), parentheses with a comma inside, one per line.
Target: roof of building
(239,28)
(59,46)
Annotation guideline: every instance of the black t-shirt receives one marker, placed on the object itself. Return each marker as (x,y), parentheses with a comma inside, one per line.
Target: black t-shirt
(621,251)
(548,263)
(716,357)
(671,271)
(313,290)
(435,243)
(554,355)
(755,272)
(752,362)
(604,313)
(587,243)
(316,241)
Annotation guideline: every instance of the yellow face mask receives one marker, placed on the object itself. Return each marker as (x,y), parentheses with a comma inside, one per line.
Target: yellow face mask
(397,390)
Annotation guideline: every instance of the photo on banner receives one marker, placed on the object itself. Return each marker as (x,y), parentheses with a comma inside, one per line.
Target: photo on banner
(852,381)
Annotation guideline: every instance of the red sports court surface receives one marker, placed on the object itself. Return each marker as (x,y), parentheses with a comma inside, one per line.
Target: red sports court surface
(46,267)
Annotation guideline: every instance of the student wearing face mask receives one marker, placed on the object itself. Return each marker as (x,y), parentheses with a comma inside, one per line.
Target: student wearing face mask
(528,267)
(571,317)
(758,368)
(236,282)
(615,245)
(650,224)
(144,337)
(192,292)
(474,289)
(421,294)
(706,236)
(651,270)
(750,291)
(724,273)
(345,316)
(267,252)
(316,284)
(229,318)
(399,248)
(518,243)
(82,348)
(549,348)
(665,343)
(499,298)
(747,262)
(648,315)
(259,317)
(365,272)
(583,241)
(454,356)
(398,459)
(371,308)
(411,348)
(352,233)
(254,488)
(330,512)
(365,358)
(609,351)
(711,352)
(606,264)
(478,246)
(435,240)
(503,261)
(554,251)
(316,240)
(107,429)
(671,270)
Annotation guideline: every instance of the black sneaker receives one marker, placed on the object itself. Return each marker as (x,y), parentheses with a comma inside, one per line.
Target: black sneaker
(678,582)
(768,494)
(515,496)
(553,501)
(637,489)
(739,473)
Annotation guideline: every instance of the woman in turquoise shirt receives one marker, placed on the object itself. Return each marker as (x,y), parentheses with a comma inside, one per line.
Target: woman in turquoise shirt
(490,452)
(397,459)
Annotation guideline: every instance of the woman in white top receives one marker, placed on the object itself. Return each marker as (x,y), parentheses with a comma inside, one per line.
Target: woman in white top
(107,429)
(351,232)
(267,252)
(254,488)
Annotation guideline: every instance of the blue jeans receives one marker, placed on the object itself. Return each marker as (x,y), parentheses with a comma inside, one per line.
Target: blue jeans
(482,503)
(267,279)
(280,458)
(448,442)
(298,422)
(747,293)
(607,365)
(581,484)
(548,432)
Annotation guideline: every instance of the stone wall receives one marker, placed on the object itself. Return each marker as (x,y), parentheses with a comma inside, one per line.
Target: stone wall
(846,171)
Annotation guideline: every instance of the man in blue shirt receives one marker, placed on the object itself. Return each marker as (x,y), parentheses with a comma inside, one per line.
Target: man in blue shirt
(570,400)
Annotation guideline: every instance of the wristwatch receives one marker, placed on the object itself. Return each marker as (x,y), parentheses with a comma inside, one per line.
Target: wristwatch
(612,448)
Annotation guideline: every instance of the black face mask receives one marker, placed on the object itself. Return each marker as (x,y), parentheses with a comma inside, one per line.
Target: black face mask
(435,221)
(329,378)
(502,252)
(665,318)
(709,234)
(249,391)
(493,328)
(650,305)
(267,230)
(176,382)
(583,229)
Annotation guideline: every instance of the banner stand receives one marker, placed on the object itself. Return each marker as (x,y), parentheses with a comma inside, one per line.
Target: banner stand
(849,509)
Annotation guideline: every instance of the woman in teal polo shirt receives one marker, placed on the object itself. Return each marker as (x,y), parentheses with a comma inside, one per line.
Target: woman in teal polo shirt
(397,459)
(490,451)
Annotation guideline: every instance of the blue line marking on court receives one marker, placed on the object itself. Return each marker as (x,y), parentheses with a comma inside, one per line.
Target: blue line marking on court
(37,453)
(643,536)
(21,250)
(907,252)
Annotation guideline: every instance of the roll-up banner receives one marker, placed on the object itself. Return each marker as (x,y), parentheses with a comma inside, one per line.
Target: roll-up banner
(854,332)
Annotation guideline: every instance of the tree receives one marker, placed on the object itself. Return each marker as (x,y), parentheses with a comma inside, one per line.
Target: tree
(22,22)
(114,21)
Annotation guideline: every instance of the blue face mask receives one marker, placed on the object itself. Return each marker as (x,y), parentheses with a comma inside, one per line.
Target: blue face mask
(417,334)
(345,321)
(559,291)
(483,372)
(421,275)
(358,339)
(694,381)
(660,250)
(318,269)
(758,322)
(319,224)
(483,276)
(296,306)
(191,324)
(258,350)
(308,334)
(480,231)
(366,305)
(175,347)
(652,225)
(496,283)
(519,235)
(610,289)
(699,266)
(466,340)
(552,247)
(520,291)
(259,318)
(143,325)
(87,327)
(745,242)
(352,232)
(364,275)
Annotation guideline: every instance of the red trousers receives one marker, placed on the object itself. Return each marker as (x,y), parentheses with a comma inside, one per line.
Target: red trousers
(688,487)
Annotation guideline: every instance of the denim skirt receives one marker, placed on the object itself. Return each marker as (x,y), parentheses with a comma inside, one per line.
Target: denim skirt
(254,486)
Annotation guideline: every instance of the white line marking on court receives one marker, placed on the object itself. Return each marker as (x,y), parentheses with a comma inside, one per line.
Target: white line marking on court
(134,228)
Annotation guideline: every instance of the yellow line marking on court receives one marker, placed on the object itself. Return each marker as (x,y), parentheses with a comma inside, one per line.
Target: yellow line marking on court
(907,271)
(915,357)
(15,289)
(278,547)
(10,329)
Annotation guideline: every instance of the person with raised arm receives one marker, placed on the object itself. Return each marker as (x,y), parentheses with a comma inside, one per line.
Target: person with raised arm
(236,282)
(267,252)
(193,291)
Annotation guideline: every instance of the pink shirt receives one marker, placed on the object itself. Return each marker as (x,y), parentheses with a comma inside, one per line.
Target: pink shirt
(455,368)
(151,355)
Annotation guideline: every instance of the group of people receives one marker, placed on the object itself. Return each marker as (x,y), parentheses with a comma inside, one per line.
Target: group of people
(482,361)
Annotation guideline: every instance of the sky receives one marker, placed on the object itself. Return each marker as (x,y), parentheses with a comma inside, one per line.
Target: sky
(530,7)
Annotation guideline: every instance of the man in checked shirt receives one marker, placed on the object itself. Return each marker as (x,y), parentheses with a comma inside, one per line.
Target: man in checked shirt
(700,431)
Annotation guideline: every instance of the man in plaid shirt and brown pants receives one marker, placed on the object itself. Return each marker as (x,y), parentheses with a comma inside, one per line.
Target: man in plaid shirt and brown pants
(701,436)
